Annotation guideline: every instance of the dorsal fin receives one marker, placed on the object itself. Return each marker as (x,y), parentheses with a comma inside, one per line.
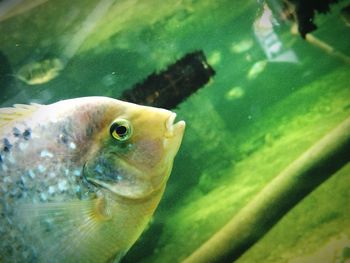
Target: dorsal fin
(18,111)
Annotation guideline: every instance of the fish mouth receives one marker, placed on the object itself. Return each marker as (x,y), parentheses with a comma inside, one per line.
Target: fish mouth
(174,129)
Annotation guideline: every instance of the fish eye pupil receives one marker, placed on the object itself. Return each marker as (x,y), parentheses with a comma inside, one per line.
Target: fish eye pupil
(121,130)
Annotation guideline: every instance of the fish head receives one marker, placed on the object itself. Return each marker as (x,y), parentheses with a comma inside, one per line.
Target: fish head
(134,149)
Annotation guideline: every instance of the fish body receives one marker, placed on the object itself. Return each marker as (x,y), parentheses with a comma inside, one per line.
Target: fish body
(40,72)
(80,178)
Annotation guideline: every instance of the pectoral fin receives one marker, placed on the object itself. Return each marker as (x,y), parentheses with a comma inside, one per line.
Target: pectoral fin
(67,231)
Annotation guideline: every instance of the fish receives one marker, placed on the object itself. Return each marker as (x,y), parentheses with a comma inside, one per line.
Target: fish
(81,178)
(40,72)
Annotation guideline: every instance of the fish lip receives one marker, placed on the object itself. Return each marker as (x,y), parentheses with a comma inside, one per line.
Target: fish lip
(169,124)
(172,129)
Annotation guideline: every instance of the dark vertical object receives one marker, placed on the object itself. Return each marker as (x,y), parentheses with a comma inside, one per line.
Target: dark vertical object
(304,12)
(172,86)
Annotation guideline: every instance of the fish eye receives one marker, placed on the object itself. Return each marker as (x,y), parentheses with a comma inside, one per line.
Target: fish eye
(120,130)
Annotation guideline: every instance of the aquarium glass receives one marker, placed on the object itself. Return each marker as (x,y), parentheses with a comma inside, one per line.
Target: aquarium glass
(274,94)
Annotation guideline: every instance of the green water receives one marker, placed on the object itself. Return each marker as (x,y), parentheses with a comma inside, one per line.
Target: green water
(242,128)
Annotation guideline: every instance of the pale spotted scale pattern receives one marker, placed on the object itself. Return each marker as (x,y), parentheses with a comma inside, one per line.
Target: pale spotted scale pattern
(39,178)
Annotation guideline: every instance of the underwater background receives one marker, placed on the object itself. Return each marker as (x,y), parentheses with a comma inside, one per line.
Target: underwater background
(268,102)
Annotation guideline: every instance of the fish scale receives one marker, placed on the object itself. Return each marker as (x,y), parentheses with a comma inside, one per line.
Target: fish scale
(24,183)
(27,183)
